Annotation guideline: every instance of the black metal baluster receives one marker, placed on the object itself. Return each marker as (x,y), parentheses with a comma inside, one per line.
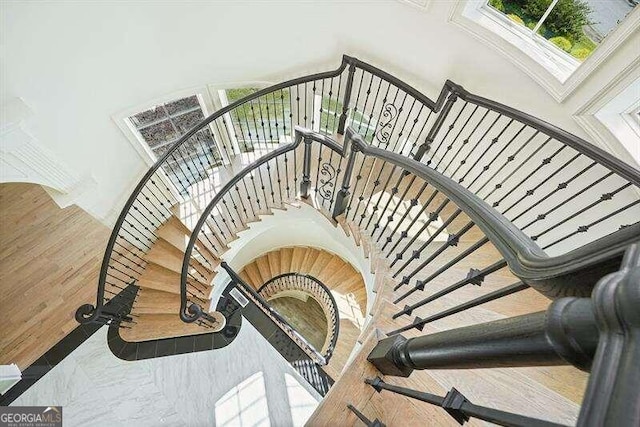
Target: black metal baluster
(450,128)
(272,192)
(433,216)
(335,110)
(366,101)
(416,254)
(452,240)
(254,214)
(475,277)
(562,186)
(416,120)
(532,191)
(585,228)
(404,234)
(373,109)
(502,150)
(476,145)
(412,203)
(274,112)
(510,159)
(264,130)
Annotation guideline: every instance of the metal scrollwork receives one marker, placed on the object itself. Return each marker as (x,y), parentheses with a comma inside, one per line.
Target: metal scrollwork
(325,189)
(389,114)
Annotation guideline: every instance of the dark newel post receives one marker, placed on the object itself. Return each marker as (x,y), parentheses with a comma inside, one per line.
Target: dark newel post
(436,127)
(305,185)
(343,196)
(564,334)
(347,100)
(612,397)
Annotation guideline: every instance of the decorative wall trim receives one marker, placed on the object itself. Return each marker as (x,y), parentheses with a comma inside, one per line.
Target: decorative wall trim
(586,114)
(24,159)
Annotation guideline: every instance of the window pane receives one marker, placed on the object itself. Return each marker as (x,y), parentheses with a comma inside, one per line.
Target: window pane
(187,121)
(149,116)
(183,104)
(159,133)
(523,12)
(573,26)
(163,125)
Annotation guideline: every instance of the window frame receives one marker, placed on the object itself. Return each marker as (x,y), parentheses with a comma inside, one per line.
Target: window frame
(218,94)
(476,20)
(123,121)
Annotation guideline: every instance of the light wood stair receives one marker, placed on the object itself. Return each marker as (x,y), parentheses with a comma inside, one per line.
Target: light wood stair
(344,281)
(156,307)
(554,391)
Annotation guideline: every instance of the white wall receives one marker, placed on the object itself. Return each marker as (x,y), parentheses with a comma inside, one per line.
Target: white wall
(76,64)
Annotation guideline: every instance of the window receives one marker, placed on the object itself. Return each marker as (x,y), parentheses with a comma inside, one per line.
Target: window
(163,125)
(573,27)
(266,119)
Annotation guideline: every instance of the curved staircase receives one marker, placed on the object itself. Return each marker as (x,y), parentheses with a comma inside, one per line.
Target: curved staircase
(157,304)
(340,277)
(480,222)
(337,274)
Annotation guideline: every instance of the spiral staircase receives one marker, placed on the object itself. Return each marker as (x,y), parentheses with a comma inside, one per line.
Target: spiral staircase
(501,252)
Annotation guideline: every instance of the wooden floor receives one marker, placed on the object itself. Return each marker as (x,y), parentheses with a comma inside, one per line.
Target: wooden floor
(306,317)
(550,393)
(49,264)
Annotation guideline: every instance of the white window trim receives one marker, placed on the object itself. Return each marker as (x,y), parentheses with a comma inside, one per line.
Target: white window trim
(418,4)
(586,115)
(632,116)
(482,24)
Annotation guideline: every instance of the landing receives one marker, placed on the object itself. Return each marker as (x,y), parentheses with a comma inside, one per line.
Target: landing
(306,317)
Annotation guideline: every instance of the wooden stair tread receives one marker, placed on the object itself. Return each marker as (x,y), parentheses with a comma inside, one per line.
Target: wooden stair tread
(162,279)
(150,301)
(158,326)
(390,408)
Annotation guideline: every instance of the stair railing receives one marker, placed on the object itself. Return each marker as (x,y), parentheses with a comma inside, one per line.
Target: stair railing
(244,197)
(598,334)
(315,289)
(522,166)
(276,317)
(238,130)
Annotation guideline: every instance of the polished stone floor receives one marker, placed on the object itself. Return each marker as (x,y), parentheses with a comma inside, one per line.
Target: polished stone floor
(244,384)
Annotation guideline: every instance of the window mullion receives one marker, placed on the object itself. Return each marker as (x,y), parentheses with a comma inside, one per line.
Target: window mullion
(544,16)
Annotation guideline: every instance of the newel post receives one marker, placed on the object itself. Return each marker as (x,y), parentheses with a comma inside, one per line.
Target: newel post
(305,185)
(347,99)
(611,397)
(344,196)
(426,146)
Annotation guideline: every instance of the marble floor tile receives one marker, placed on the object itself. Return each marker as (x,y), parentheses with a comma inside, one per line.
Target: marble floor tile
(96,388)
